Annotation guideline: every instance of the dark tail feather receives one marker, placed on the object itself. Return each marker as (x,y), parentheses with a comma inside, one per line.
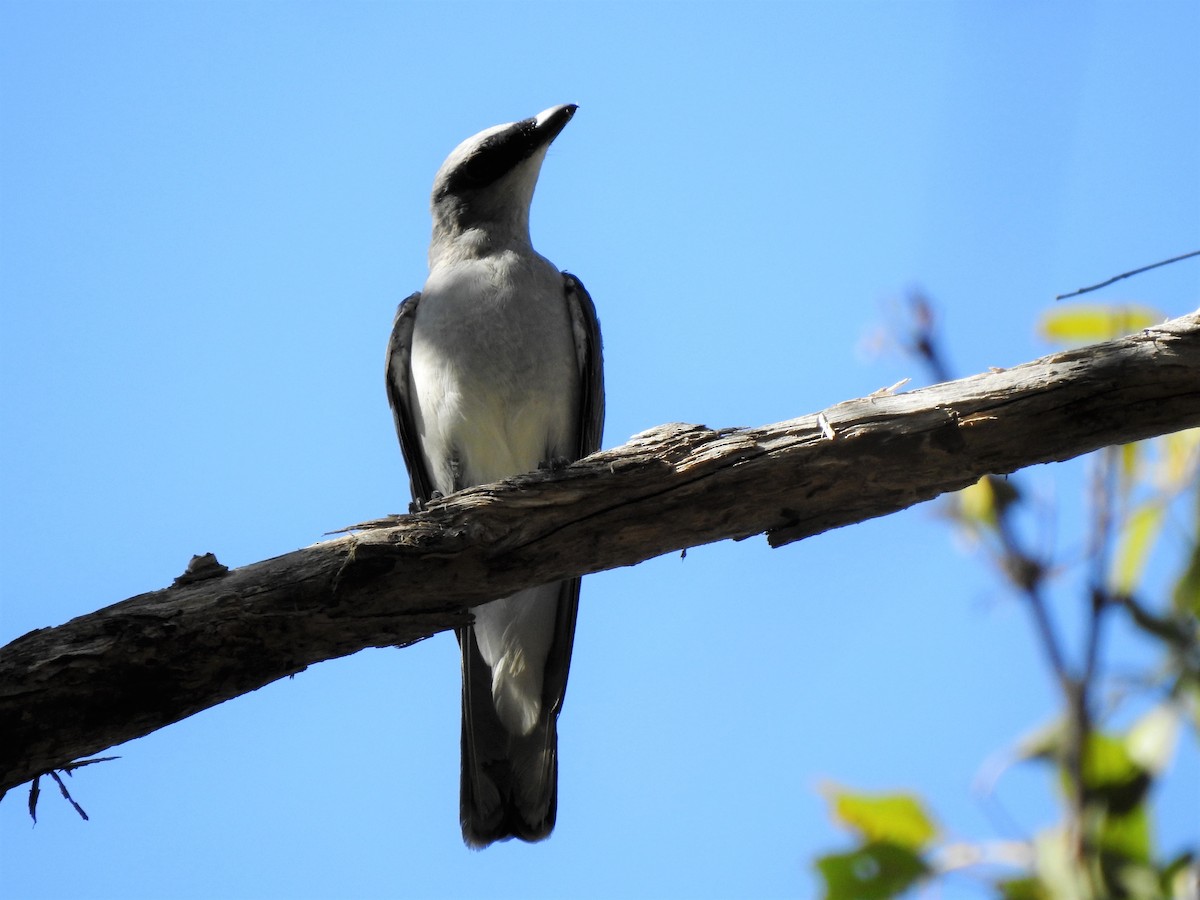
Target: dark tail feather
(509,783)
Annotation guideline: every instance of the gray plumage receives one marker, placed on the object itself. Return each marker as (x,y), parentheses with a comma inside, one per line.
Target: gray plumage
(495,369)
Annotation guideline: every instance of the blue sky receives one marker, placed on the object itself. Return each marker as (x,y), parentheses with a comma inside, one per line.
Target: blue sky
(208,212)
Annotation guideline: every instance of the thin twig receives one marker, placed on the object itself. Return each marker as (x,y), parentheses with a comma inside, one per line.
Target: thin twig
(1116,278)
(1049,637)
(1104,493)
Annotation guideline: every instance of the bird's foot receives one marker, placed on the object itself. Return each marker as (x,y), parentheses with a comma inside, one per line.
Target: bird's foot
(554,464)
(417,506)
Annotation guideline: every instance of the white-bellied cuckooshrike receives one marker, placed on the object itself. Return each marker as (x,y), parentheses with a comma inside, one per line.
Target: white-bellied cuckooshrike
(495,369)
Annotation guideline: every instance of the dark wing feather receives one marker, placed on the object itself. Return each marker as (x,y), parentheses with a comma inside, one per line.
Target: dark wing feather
(399,392)
(590,351)
(591,427)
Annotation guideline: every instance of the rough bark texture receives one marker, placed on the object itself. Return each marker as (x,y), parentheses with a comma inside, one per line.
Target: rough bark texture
(138,665)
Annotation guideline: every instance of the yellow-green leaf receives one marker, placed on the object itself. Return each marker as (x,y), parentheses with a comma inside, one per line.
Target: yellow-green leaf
(1107,763)
(976,504)
(1185,596)
(1084,323)
(1138,535)
(985,502)
(1181,458)
(1129,454)
(894,818)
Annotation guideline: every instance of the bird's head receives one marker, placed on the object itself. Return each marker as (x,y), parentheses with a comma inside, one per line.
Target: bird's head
(486,183)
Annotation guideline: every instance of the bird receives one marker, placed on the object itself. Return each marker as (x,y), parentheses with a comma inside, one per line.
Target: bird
(495,368)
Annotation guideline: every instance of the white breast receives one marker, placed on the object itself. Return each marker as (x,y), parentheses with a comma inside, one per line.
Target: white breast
(494,369)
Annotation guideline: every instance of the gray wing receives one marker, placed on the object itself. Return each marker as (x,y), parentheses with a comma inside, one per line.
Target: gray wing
(399,392)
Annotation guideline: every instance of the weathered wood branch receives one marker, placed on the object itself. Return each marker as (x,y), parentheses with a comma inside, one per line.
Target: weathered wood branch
(138,665)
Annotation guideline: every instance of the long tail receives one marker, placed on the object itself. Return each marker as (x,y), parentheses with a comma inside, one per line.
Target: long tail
(510,782)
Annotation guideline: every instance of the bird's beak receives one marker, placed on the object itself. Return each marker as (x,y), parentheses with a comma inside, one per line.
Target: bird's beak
(550,122)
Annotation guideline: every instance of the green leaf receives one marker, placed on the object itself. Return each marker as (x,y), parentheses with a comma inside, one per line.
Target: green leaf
(1023,889)
(1127,836)
(1185,597)
(893,818)
(875,871)
(1136,540)
(1084,323)
(1106,763)
(1111,777)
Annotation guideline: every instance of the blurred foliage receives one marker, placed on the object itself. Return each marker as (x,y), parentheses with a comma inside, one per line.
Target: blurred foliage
(893,829)
(1143,513)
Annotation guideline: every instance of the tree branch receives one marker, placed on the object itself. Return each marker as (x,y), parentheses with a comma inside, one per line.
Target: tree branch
(151,660)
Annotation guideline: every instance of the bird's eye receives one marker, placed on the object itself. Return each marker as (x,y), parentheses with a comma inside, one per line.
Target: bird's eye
(477,171)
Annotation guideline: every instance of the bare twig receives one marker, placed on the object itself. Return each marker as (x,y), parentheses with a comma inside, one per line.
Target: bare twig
(1116,278)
